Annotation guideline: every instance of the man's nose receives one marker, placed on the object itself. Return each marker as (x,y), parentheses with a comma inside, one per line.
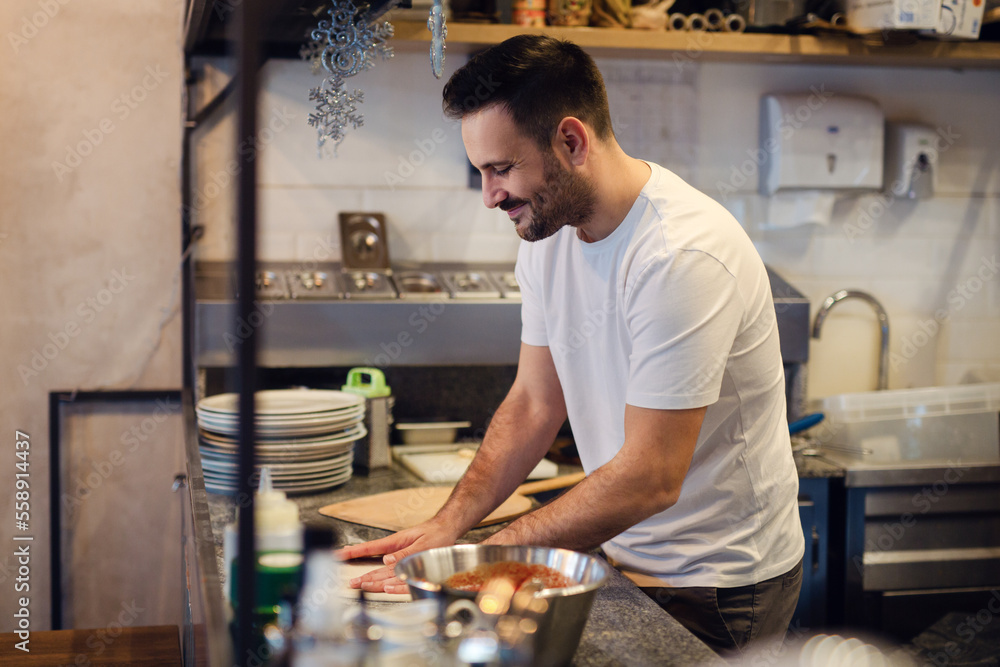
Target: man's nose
(492,195)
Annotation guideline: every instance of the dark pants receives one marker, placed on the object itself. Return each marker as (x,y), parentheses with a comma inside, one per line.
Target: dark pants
(729,620)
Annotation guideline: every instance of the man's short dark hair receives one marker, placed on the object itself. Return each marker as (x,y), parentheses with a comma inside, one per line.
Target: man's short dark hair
(539,80)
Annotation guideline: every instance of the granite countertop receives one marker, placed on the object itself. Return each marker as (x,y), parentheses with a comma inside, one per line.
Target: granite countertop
(625,627)
(814,467)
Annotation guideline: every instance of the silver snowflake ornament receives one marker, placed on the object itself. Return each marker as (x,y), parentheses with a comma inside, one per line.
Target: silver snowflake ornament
(344,46)
(336,111)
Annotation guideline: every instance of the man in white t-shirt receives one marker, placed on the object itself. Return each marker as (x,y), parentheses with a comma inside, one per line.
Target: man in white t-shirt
(647,320)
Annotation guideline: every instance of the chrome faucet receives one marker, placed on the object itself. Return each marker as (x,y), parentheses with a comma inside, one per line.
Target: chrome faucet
(883,319)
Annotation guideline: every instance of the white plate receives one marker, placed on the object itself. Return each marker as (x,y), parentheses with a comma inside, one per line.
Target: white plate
(285,401)
(231,428)
(281,467)
(337,433)
(268,458)
(297,420)
(230,487)
(330,464)
(292,441)
(354,433)
(282,432)
(283,482)
(312,453)
(311,420)
(282,449)
(279,482)
(266,416)
(279,478)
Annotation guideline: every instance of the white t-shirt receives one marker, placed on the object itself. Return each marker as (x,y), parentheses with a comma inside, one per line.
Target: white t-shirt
(673,310)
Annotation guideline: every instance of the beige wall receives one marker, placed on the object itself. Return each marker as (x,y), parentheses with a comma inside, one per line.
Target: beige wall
(90,119)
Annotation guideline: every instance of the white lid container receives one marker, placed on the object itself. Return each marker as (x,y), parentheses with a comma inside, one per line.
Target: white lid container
(959,423)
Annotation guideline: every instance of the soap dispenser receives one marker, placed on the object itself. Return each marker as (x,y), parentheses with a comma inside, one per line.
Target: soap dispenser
(911,157)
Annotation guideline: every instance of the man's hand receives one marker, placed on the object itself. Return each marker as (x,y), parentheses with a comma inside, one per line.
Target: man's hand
(395,548)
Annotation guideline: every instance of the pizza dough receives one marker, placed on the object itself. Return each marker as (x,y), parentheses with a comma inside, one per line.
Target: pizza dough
(357,567)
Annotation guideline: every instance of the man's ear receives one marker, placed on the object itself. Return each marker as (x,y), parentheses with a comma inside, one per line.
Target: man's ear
(572,141)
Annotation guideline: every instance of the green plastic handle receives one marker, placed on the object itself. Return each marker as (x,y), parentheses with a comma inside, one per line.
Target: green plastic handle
(375,386)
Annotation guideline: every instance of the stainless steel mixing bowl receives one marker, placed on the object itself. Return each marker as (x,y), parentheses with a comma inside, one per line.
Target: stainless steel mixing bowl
(561,625)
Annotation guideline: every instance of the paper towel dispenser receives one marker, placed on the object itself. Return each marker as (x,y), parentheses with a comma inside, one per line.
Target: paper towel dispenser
(820,142)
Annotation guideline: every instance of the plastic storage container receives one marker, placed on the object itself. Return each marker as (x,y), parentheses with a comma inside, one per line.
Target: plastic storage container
(933,423)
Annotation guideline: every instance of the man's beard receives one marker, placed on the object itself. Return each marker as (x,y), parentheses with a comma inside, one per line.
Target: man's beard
(566,198)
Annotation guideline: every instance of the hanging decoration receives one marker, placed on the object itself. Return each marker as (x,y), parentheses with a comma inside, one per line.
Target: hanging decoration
(343,46)
(439,30)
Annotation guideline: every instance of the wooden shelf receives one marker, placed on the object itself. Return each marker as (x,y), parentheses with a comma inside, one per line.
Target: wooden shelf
(706,46)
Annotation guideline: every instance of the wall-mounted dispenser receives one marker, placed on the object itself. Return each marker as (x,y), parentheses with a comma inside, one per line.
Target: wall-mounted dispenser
(911,157)
(820,142)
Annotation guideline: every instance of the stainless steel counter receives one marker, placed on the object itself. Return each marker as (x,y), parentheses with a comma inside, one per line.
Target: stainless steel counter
(858,473)
(380,332)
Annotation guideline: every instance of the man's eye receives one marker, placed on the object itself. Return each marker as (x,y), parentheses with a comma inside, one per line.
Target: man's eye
(504,171)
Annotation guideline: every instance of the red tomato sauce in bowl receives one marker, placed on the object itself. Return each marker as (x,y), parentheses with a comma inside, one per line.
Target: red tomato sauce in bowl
(518,573)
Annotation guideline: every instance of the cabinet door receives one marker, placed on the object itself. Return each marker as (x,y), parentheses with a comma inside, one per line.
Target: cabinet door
(810,613)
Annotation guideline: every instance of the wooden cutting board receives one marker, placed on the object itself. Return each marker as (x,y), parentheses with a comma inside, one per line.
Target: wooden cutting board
(404,508)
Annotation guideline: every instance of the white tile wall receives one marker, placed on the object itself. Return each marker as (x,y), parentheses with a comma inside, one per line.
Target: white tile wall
(911,257)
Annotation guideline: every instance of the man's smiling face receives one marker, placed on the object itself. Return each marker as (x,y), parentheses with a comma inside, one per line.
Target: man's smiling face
(538,193)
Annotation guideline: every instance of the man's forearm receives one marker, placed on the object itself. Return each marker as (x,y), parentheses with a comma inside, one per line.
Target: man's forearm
(519,435)
(644,478)
(594,511)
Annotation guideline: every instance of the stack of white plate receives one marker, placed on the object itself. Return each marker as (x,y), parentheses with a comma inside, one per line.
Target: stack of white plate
(305,436)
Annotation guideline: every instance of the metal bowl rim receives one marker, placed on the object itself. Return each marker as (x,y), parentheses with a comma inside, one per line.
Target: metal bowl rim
(431,587)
